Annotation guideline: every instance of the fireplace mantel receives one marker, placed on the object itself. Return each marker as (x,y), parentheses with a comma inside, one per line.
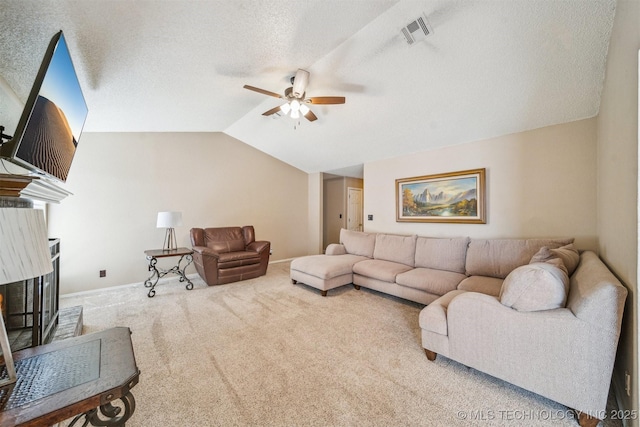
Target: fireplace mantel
(31,187)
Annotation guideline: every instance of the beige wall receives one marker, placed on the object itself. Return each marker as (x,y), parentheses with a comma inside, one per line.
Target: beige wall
(121,180)
(539,183)
(315,219)
(618,182)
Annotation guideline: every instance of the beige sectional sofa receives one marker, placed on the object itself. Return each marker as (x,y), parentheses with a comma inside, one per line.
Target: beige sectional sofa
(533,312)
(417,268)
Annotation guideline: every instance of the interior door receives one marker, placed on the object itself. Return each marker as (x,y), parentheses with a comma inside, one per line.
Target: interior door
(354,209)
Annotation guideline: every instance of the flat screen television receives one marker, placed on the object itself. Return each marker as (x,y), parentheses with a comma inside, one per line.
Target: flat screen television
(49,128)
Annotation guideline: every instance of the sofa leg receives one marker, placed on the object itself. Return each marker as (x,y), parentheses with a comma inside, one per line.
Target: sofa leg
(430,354)
(323,293)
(586,420)
(357,287)
(294,281)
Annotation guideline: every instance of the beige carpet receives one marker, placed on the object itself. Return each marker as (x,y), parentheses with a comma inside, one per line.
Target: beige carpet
(264,352)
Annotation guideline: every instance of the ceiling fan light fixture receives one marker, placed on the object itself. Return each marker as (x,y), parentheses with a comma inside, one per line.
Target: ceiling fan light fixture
(295,99)
(285,108)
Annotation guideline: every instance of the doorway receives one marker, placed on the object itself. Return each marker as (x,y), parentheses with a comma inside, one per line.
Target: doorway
(342,206)
(354,209)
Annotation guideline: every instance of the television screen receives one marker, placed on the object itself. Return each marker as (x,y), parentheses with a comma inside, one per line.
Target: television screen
(47,134)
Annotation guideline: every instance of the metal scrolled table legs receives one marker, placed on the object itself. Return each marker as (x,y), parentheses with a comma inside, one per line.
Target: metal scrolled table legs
(108,415)
(156,274)
(183,277)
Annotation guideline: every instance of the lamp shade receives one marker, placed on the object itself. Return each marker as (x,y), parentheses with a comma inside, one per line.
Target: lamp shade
(24,246)
(169,219)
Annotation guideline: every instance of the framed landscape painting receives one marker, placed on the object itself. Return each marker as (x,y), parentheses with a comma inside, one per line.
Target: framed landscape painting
(448,197)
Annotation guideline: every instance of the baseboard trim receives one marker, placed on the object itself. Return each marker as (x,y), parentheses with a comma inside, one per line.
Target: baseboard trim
(128,285)
(160,281)
(278,261)
(618,389)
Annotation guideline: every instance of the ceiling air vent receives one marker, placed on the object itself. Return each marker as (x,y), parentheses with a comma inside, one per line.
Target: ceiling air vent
(417,30)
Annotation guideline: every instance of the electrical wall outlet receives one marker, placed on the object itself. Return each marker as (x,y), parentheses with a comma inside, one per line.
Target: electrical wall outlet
(627,383)
(103,273)
(270,251)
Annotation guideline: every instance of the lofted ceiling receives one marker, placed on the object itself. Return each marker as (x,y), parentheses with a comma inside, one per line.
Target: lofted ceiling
(490,68)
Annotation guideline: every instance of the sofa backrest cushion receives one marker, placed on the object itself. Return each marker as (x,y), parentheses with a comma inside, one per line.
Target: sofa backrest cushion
(442,254)
(499,257)
(401,249)
(224,239)
(357,242)
(535,287)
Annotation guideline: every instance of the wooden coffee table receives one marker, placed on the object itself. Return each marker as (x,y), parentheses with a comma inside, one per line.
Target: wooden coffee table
(76,377)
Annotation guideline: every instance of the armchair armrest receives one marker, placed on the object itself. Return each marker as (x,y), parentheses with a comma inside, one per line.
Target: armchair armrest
(258,246)
(203,250)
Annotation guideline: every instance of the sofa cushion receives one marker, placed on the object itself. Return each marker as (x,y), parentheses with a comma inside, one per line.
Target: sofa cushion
(380,269)
(437,282)
(357,242)
(326,267)
(499,257)
(534,287)
(482,284)
(400,249)
(442,254)
(237,259)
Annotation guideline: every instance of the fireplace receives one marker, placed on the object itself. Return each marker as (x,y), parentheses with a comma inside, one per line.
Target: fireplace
(31,306)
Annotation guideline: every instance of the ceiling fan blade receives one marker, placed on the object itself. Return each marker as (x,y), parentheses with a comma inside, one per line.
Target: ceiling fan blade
(326,100)
(262,91)
(272,111)
(300,82)
(310,116)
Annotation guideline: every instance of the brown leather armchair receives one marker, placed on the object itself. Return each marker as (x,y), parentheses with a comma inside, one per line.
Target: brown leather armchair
(229,254)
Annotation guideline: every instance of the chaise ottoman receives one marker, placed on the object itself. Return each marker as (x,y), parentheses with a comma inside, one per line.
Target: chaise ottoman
(325,272)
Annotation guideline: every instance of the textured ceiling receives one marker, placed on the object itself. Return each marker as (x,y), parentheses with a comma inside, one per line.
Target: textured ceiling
(491,67)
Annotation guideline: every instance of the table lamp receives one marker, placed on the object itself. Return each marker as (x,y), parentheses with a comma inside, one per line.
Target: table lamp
(169,220)
(24,254)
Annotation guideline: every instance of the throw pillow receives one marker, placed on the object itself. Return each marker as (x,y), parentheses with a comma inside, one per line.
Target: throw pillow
(569,256)
(335,249)
(543,255)
(535,287)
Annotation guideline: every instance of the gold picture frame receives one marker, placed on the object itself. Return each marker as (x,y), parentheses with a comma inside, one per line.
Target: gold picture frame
(454,197)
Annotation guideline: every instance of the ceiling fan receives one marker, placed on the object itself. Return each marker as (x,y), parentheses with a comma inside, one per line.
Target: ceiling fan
(295,104)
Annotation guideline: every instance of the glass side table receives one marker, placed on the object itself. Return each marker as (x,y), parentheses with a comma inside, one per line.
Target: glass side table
(153,255)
